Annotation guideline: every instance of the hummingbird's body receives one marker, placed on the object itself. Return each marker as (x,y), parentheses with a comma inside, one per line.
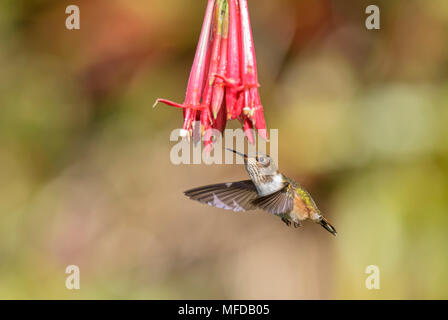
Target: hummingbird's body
(268,189)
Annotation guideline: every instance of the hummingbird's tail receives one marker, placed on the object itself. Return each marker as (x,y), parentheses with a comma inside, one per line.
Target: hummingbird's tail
(324,223)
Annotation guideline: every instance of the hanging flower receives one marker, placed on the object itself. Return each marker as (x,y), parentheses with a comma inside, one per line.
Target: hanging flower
(223,83)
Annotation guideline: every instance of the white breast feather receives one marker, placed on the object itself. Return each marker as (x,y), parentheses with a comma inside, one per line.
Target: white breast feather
(275,185)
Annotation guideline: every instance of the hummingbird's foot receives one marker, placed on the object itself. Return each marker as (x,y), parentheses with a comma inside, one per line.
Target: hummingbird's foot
(297,224)
(286,221)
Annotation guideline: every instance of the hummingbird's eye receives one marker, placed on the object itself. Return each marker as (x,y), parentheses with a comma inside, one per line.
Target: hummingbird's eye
(264,161)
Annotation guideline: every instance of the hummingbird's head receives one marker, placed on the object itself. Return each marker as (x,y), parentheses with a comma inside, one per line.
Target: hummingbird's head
(262,171)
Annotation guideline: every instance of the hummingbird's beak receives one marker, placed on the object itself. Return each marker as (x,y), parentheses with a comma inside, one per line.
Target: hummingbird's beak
(238,153)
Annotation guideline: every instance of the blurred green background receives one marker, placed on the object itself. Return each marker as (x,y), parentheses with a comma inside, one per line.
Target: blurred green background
(86,177)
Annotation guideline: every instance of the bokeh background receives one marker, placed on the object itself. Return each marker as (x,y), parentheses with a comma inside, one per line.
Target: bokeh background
(86,177)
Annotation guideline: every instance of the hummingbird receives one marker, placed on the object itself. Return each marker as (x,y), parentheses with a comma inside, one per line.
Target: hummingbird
(267,189)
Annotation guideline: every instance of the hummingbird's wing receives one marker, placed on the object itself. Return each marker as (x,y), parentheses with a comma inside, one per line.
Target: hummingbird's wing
(236,196)
(278,202)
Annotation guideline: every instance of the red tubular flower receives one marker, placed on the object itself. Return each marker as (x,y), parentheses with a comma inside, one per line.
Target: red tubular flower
(252,104)
(223,67)
(218,88)
(248,100)
(197,74)
(233,58)
(248,62)
(209,90)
